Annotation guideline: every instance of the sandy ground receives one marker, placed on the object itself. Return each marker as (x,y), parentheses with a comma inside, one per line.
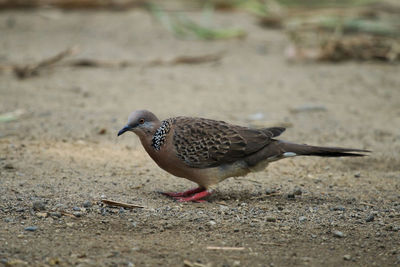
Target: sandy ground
(62,156)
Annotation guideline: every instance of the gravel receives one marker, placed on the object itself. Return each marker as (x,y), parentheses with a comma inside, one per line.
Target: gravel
(39,205)
(338,234)
(370,218)
(31,228)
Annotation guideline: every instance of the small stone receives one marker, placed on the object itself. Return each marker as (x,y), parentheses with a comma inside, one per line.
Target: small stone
(370,218)
(302,218)
(38,205)
(236,230)
(270,191)
(338,234)
(338,208)
(76,209)
(102,131)
(290,196)
(212,223)
(7,220)
(77,214)
(87,204)
(55,214)
(103,211)
(270,219)
(31,228)
(236,263)
(297,191)
(60,206)
(347,257)
(357,175)
(41,214)
(70,224)
(9,166)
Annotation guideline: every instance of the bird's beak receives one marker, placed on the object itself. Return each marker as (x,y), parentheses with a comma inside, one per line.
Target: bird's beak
(125,129)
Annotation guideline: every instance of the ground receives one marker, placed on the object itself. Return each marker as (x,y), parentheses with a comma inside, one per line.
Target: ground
(62,156)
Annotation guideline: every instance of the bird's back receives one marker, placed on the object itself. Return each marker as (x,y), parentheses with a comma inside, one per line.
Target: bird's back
(205,143)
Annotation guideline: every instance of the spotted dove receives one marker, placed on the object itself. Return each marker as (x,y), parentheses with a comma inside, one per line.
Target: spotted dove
(208,151)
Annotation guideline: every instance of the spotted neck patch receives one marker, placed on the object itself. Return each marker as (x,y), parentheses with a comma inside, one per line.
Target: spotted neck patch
(161,134)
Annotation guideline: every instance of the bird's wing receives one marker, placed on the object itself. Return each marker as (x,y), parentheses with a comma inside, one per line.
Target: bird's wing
(203,143)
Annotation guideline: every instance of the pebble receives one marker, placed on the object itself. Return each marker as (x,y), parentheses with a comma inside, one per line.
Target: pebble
(270,219)
(302,218)
(290,196)
(9,166)
(59,206)
(77,214)
(31,228)
(41,214)
(340,208)
(103,211)
(297,191)
(212,223)
(347,257)
(20,210)
(87,204)
(338,234)
(76,209)
(357,175)
(370,218)
(270,191)
(38,205)
(55,214)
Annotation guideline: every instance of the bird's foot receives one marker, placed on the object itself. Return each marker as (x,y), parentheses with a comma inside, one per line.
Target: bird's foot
(197,197)
(184,193)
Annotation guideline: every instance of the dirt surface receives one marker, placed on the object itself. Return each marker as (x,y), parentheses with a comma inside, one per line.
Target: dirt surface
(62,155)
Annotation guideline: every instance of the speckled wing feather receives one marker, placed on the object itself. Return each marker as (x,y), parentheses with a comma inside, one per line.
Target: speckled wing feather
(203,143)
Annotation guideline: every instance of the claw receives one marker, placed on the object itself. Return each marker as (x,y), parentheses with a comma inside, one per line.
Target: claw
(183,194)
(196,197)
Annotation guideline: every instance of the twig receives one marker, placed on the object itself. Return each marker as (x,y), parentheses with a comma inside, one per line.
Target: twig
(226,248)
(155,62)
(187,263)
(68,214)
(186,60)
(367,204)
(25,71)
(121,204)
(28,70)
(96,63)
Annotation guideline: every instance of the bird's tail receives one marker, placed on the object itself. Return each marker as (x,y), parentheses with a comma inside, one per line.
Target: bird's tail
(291,149)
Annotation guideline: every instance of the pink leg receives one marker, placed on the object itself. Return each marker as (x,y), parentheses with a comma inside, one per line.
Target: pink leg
(196,197)
(185,193)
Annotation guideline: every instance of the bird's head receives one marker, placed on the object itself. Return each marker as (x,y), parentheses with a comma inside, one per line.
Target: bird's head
(141,122)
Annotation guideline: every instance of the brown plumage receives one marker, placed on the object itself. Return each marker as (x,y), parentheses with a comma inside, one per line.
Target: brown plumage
(207,151)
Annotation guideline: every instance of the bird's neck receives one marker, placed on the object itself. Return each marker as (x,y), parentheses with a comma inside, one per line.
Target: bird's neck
(146,136)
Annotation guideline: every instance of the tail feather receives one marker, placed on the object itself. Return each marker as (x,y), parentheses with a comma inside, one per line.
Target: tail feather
(306,150)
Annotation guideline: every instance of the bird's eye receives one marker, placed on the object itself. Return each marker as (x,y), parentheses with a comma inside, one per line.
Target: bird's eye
(141,121)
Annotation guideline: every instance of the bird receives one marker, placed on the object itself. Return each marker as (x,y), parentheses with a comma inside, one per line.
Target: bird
(207,151)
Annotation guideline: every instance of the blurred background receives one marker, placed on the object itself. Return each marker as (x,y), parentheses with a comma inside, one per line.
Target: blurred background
(71,71)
